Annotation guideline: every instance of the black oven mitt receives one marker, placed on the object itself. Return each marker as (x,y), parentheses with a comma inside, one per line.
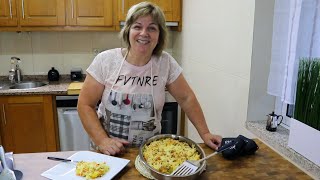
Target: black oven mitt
(243,146)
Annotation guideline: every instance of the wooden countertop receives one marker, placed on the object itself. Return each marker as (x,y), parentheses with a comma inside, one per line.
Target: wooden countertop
(265,164)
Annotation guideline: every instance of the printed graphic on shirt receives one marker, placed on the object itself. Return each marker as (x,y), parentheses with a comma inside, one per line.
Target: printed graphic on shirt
(136,80)
(131,117)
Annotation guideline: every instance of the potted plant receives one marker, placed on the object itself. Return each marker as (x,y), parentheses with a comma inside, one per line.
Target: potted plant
(305,126)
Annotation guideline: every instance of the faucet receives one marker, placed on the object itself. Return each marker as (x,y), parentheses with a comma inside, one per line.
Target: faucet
(15,71)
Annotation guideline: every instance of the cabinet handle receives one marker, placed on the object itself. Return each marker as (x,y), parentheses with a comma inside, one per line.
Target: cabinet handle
(10,8)
(72,16)
(122,6)
(4,114)
(22,4)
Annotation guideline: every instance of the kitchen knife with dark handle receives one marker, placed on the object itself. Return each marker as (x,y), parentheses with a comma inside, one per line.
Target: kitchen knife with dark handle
(62,159)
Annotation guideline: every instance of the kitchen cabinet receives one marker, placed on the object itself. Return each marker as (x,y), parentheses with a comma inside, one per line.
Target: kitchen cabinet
(171,9)
(90,12)
(41,13)
(28,123)
(8,13)
(57,15)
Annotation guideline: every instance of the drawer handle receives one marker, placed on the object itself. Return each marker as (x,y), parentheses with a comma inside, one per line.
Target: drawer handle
(72,16)
(122,6)
(4,114)
(22,4)
(10,8)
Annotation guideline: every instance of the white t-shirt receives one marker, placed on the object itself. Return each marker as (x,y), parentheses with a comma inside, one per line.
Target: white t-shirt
(127,103)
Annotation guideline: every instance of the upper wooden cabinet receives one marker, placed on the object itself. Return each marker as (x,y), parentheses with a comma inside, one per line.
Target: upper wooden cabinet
(54,15)
(171,8)
(41,13)
(89,12)
(74,15)
(8,13)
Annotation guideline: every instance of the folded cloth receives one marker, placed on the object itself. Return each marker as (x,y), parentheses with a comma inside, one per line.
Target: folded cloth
(9,159)
(243,146)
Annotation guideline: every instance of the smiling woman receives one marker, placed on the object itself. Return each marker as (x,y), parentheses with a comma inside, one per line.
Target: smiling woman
(131,83)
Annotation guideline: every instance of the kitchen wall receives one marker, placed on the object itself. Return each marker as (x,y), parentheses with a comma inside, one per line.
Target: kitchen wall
(261,103)
(215,51)
(39,51)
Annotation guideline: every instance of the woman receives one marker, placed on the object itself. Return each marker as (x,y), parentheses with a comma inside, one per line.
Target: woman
(131,82)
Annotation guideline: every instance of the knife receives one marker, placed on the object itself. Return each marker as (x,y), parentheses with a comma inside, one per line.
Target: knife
(62,159)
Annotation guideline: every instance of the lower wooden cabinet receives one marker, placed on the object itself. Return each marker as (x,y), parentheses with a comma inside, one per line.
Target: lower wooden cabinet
(28,123)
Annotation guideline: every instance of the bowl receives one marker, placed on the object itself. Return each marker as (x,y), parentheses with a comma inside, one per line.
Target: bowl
(158,175)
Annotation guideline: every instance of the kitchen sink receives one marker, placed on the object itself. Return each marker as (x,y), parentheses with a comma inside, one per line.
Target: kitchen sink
(28,85)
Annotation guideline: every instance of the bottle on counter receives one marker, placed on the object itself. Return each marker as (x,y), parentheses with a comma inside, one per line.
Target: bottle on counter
(53,74)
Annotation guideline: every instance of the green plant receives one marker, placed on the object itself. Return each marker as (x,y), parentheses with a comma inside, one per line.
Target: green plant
(307,106)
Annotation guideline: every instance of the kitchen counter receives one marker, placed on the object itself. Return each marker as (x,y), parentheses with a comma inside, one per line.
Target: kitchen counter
(279,141)
(265,164)
(53,88)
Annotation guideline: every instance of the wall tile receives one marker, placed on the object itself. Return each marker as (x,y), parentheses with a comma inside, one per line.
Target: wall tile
(76,61)
(105,40)
(4,65)
(47,43)
(44,62)
(16,43)
(76,42)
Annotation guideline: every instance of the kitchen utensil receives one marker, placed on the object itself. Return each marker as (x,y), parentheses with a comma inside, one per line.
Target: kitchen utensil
(190,166)
(133,105)
(120,101)
(126,101)
(62,159)
(147,104)
(114,101)
(6,173)
(158,175)
(273,121)
(141,105)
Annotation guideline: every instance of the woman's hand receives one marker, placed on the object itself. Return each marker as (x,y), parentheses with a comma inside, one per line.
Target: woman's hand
(113,146)
(211,140)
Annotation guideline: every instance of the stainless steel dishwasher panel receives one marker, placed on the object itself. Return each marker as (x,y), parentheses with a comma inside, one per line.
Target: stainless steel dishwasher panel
(72,135)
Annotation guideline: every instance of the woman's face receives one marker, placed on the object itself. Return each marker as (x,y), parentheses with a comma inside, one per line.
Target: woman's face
(144,35)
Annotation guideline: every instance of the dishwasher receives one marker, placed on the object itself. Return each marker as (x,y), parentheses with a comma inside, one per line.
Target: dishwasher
(72,135)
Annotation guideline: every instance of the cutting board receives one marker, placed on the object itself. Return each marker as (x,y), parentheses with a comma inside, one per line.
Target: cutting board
(74,88)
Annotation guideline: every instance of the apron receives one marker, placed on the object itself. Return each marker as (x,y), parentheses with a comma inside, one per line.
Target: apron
(131,116)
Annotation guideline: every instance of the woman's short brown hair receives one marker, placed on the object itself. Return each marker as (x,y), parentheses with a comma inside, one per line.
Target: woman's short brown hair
(145,9)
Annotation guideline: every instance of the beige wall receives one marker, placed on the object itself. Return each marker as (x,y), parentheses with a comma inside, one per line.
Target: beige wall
(39,51)
(260,103)
(215,50)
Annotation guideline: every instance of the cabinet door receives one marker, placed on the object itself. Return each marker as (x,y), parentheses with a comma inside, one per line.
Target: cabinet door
(41,12)
(125,6)
(28,125)
(8,13)
(90,12)
(170,8)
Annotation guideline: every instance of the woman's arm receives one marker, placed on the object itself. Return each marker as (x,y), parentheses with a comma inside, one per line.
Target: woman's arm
(90,94)
(186,98)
